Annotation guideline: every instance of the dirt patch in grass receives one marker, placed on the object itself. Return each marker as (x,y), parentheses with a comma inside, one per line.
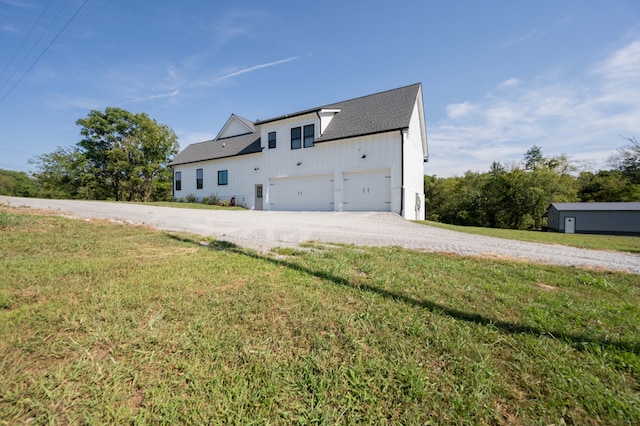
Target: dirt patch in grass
(546,287)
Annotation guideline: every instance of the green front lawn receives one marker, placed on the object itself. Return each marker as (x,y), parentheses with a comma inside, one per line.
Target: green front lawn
(106,323)
(596,242)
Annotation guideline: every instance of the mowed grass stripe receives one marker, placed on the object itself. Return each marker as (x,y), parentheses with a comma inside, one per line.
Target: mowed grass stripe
(590,241)
(106,323)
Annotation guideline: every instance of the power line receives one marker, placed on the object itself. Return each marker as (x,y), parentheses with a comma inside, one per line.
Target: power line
(14,167)
(42,34)
(15,150)
(25,40)
(45,50)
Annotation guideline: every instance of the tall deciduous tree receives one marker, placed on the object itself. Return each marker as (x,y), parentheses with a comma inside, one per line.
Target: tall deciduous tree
(121,156)
(627,160)
(513,197)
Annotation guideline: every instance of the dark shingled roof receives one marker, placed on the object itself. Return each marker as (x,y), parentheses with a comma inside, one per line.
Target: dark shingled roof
(219,148)
(622,206)
(381,112)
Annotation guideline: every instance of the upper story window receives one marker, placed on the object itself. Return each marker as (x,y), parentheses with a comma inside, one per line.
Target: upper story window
(309,135)
(178,178)
(199,178)
(223,177)
(272,140)
(296,138)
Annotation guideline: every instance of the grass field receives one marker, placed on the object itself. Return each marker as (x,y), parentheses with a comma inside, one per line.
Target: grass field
(107,323)
(596,242)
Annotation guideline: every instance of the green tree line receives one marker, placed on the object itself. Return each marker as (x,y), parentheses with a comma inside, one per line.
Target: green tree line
(122,156)
(517,196)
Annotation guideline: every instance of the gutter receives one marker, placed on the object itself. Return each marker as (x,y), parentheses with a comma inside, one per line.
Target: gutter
(402,172)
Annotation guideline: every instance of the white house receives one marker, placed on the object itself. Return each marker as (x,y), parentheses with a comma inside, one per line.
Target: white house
(364,154)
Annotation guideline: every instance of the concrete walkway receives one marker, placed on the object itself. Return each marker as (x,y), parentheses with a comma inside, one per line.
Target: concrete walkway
(262,230)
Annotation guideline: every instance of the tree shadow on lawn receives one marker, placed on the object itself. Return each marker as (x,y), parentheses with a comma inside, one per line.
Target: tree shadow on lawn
(579,341)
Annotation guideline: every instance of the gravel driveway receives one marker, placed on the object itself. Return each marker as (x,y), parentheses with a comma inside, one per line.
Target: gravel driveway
(262,230)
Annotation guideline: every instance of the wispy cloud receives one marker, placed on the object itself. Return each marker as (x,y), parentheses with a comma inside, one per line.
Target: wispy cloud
(236,23)
(10,29)
(153,97)
(517,40)
(255,68)
(456,111)
(582,118)
(229,74)
(512,82)
(622,65)
(19,3)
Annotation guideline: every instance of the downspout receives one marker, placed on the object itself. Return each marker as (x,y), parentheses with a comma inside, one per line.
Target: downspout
(173,183)
(402,173)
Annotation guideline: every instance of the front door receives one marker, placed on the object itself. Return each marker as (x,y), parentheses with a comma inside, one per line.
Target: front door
(258,204)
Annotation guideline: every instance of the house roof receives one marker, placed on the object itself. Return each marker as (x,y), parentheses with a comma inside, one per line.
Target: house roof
(377,113)
(219,148)
(622,206)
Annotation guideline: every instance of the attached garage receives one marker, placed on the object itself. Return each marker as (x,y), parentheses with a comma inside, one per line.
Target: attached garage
(367,191)
(312,193)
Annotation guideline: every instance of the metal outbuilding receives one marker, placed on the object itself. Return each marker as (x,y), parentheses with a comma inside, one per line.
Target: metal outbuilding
(595,218)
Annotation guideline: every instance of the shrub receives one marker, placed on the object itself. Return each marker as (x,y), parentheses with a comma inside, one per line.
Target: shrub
(205,200)
(191,198)
(214,199)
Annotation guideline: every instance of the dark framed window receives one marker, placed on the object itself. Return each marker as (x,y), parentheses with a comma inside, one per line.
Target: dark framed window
(296,138)
(223,177)
(272,140)
(178,178)
(199,178)
(309,135)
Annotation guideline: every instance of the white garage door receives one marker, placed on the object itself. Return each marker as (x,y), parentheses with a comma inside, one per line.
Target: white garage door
(312,193)
(367,191)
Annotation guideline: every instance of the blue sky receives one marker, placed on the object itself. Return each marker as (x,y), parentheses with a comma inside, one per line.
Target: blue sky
(498,76)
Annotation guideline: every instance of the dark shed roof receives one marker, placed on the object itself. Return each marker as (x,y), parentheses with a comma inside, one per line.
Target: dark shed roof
(381,112)
(622,206)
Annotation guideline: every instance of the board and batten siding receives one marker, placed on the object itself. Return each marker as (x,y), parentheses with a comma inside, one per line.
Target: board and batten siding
(380,169)
(336,158)
(240,173)
(413,155)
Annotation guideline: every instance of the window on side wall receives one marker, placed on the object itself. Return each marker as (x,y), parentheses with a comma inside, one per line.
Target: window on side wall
(199,178)
(296,138)
(178,178)
(223,178)
(272,140)
(309,135)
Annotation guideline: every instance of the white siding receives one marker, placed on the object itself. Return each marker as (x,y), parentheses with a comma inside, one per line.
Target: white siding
(413,157)
(314,178)
(233,127)
(381,151)
(241,177)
